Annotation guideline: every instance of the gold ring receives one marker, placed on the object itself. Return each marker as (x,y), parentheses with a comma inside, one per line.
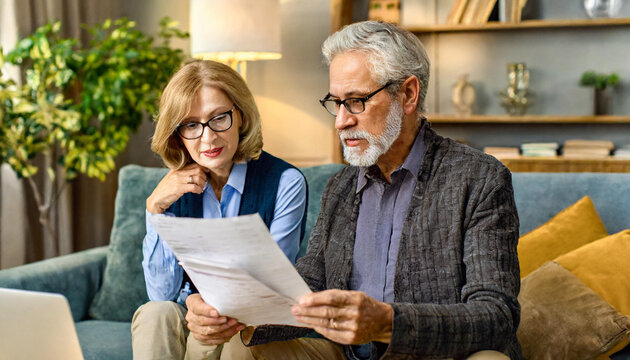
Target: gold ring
(190,179)
(332,324)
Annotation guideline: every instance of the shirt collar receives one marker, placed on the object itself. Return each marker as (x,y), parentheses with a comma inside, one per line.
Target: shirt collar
(236,180)
(412,163)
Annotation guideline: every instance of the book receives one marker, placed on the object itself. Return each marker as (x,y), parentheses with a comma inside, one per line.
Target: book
(623,152)
(500,152)
(515,17)
(542,145)
(484,11)
(455,16)
(587,148)
(578,143)
(469,13)
(540,149)
(510,10)
(594,152)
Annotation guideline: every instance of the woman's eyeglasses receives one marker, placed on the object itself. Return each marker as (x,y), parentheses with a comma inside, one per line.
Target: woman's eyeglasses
(194,130)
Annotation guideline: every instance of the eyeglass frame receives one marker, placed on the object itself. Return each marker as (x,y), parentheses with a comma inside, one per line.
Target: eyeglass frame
(230,113)
(363,100)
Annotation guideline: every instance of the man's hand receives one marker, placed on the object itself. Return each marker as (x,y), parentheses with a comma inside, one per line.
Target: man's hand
(346,317)
(205,323)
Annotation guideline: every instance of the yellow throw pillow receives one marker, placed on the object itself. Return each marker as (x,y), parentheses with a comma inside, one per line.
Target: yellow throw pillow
(561,318)
(571,228)
(604,266)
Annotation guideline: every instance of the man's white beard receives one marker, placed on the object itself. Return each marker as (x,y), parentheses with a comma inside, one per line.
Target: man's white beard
(377,144)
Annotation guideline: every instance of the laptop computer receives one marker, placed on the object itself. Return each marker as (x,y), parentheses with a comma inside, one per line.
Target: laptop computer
(36,325)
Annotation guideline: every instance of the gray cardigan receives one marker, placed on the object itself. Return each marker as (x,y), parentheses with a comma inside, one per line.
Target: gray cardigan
(457,275)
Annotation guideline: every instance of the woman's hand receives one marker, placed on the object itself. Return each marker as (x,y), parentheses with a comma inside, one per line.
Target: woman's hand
(176,183)
(206,325)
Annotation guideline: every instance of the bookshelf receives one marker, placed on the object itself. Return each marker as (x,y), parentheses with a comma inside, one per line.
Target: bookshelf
(523,25)
(528,119)
(562,164)
(474,128)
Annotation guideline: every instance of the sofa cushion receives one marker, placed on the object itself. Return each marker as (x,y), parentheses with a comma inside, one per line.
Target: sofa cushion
(105,340)
(603,266)
(571,228)
(539,196)
(123,289)
(317,177)
(561,318)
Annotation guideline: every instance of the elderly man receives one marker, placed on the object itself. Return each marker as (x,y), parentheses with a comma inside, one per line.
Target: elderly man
(414,251)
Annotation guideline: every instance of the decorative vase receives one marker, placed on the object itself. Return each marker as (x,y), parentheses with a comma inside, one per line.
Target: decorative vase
(602,8)
(603,101)
(517,97)
(463,96)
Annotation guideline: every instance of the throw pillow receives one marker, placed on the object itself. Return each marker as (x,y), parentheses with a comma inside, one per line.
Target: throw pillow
(561,318)
(571,228)
(603,266)
(123,289)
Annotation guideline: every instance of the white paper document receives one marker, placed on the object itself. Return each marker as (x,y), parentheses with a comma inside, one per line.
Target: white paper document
(236,265)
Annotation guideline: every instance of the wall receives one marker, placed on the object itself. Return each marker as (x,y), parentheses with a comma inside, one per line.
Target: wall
(295,126)
(556,59)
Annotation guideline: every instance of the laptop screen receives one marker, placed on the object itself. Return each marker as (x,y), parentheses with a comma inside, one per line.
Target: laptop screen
(36,325)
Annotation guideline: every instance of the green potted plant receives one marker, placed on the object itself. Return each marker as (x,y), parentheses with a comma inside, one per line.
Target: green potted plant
(602,84)
(79,104)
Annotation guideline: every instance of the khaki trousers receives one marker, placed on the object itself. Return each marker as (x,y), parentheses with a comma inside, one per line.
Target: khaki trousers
(159,332)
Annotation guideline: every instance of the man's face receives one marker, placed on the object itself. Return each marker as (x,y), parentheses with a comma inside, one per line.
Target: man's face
(370,134)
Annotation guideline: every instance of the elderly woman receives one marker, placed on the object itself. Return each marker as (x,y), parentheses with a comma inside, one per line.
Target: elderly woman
(208,133)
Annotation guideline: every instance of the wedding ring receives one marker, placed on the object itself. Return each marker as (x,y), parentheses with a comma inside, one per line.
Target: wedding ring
(332,324)
(190,179)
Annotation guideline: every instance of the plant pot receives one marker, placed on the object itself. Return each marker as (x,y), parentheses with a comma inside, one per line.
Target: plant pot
(603,101)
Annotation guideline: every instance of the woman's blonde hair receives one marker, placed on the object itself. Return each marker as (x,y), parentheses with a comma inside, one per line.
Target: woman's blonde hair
(177,100)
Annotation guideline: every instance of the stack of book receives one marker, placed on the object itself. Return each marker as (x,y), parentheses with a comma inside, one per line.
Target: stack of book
(587,148)
(540,149)
(623,152)
(470,12)
(502,152)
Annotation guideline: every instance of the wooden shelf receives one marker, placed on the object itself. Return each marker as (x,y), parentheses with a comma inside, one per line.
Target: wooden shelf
(526,24)
(562,164)
(527,119)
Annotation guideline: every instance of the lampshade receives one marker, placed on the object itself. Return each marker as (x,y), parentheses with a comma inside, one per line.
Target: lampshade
(235,30)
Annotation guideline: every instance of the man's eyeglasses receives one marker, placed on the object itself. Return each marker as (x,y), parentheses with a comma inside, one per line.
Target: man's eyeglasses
(218,123)
(354,105)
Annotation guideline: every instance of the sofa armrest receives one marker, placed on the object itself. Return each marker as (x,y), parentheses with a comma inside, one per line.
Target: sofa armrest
(77,276)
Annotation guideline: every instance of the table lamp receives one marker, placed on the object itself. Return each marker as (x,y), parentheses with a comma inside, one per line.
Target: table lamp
(235,31)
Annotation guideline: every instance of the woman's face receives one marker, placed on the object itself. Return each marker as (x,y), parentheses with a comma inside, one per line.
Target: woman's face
(213,150)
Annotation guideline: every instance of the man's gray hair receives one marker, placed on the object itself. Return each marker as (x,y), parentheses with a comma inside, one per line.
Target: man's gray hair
(393,53)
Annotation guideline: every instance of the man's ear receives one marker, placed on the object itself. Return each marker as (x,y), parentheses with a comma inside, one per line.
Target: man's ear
(410,90)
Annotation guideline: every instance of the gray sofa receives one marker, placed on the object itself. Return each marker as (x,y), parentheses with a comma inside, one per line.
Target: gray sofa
(105,285)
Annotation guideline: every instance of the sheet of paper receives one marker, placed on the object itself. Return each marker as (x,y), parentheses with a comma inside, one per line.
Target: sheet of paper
(237,294)
(236,266)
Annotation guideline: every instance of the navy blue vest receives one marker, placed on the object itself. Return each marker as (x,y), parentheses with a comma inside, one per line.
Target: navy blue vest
(259,195)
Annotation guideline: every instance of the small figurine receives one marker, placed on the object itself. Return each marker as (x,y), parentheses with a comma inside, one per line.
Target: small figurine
(463,96)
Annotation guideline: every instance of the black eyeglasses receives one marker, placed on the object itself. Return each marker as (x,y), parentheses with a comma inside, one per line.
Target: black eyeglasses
(218,123)
(354,105)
